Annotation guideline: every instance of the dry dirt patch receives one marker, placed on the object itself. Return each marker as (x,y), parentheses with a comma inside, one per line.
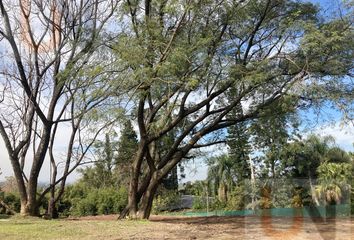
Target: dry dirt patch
(178,227)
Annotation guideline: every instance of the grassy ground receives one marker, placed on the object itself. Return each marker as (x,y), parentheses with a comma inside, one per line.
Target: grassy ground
(34,228)
(108,228)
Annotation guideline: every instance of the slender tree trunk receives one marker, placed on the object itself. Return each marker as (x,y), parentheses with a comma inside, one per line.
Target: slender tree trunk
(51,203)
(313,191)
(253,185)
(32,206)
(52,210)
(222,192)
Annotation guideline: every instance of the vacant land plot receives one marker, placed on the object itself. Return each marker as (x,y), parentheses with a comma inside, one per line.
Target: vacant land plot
(106,227)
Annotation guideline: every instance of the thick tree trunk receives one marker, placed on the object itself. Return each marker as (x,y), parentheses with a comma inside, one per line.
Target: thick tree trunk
(143,197)
(147,200)
(29,208)
(133,199)
(144,194)
(32,206)
(144,185)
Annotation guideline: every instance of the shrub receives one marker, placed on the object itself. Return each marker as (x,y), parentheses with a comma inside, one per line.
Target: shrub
(237,199)
(199,203)
(166,200)
(96,201)
(12,200)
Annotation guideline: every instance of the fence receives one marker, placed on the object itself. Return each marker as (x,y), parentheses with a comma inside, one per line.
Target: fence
(309,212)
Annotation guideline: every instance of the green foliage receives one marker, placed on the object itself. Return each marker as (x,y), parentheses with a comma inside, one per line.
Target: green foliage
(278,125)
(352,199)
(238,198)
(338,155)
(112,167)
(170,181)
(194,188)
(302,158)
(127,147)
(10,199)
(221,175)
(103,186)
(87,201)
(238,143)
(101,173)
(329,47)
(190,57)
(199,203)
(334,182)
(166,200)
(127,144)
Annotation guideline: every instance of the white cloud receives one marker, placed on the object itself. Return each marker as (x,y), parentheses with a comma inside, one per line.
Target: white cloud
(344,135)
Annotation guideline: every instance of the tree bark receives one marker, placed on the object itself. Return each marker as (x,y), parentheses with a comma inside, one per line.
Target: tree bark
(144,185)
(223,193)
(147,200)
(134,183)
(30,208)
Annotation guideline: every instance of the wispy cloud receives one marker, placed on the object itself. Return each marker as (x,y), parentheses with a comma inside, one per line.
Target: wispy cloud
(344,135)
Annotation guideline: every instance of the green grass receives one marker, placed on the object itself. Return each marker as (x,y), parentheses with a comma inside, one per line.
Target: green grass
(35,228)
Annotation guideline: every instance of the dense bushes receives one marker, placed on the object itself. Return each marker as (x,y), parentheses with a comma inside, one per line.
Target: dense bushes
(12,200)
(81,200)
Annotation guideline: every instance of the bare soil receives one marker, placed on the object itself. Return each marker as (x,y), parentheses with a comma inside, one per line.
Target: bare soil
(252,227)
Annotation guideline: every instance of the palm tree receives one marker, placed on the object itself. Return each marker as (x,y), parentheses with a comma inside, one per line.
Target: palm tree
(221,176)
(338,155)
(334,182)
(310,159)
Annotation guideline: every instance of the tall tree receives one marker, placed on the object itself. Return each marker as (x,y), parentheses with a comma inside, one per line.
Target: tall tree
(239,146)
(100,175)
(302,158)
(180,57)
(221,175)
(271,133)
(127,147)
(50,80)
(334,183)
(318,159)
